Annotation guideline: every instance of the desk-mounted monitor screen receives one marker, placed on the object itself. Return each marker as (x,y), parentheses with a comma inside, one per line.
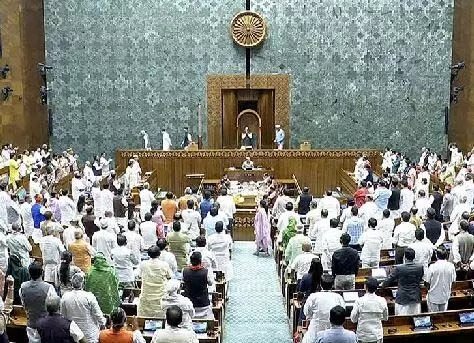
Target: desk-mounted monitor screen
(422,322)
(200,327)
(466,318)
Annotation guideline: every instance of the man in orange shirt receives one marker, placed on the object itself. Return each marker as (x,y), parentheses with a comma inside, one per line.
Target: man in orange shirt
(169,207)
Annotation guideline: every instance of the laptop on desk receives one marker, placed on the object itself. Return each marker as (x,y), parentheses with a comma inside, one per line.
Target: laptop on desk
(422,323)
(200,328)
(151,326)
(466,319)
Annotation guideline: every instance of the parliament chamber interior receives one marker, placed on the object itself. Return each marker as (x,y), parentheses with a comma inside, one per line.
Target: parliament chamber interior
(236,171)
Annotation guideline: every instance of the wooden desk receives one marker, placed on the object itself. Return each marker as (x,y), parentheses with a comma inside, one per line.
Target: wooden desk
(242,175)
(177,163)
(213,334)
(131,308)
(446,323)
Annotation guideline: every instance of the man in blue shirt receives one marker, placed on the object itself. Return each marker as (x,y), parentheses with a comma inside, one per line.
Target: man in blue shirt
(381,195)
(336,333)
(206,204)
(279,137)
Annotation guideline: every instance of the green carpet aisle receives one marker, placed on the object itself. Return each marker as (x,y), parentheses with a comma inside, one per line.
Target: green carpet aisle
(255,311)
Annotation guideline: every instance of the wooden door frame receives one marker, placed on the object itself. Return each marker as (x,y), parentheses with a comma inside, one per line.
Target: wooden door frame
(280,83)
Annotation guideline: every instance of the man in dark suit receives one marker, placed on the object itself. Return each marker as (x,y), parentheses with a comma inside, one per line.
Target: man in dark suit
(437,202)
(433,228)
(409,276)
(304,202)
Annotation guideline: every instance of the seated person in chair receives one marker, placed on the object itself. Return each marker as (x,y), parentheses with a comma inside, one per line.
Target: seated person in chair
(247,164)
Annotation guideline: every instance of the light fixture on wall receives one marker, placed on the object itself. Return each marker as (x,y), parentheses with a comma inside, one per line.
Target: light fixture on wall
(5,93)
(44,94)
(4,71)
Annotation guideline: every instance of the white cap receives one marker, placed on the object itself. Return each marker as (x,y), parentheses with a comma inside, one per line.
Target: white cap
(277,126)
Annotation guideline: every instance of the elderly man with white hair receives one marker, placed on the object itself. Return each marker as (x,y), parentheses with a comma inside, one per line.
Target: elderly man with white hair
(83,308)
(172,297)
(146,198)
(52,327)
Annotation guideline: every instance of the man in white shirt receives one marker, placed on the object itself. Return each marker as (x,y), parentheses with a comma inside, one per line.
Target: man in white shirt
(148,231)
(112,225)
(220,244)
(371,242)
(35,186)
(166,140)
(146,198)
(134,240)
(191,219)
(167,256)
(124,260)
(317,308)
(368,312)
(146,140)
(26,217)
(423,203)
(302,262)
(403,236)
(386,226)
(369,209)
(313,215)
(318,231)
(456,216)
(331,243)
(423,250)
(77,187)
(173,332)
(66,207)
(103,241)
(280,204)
(331,204)
(440,277)
(227,206)
(51,249)
(209,223)
(407,198)
(106,199)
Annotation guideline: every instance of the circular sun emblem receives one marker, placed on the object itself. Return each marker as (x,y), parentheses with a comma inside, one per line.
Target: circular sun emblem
(248,29)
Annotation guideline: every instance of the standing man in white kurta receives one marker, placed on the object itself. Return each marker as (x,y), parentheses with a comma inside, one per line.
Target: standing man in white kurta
(146,140)
(166,140)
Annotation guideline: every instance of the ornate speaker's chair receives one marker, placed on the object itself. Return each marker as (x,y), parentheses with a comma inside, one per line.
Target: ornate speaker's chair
(252,120)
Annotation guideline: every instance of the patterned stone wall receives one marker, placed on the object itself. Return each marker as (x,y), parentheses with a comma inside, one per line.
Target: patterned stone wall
(124,66)
(364,73)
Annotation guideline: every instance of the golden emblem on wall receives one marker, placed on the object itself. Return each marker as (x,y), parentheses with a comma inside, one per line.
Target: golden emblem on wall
(248,29)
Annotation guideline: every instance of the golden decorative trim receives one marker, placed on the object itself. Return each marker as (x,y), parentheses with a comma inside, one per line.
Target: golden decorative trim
(146,154)
(280,83)
(248,29)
